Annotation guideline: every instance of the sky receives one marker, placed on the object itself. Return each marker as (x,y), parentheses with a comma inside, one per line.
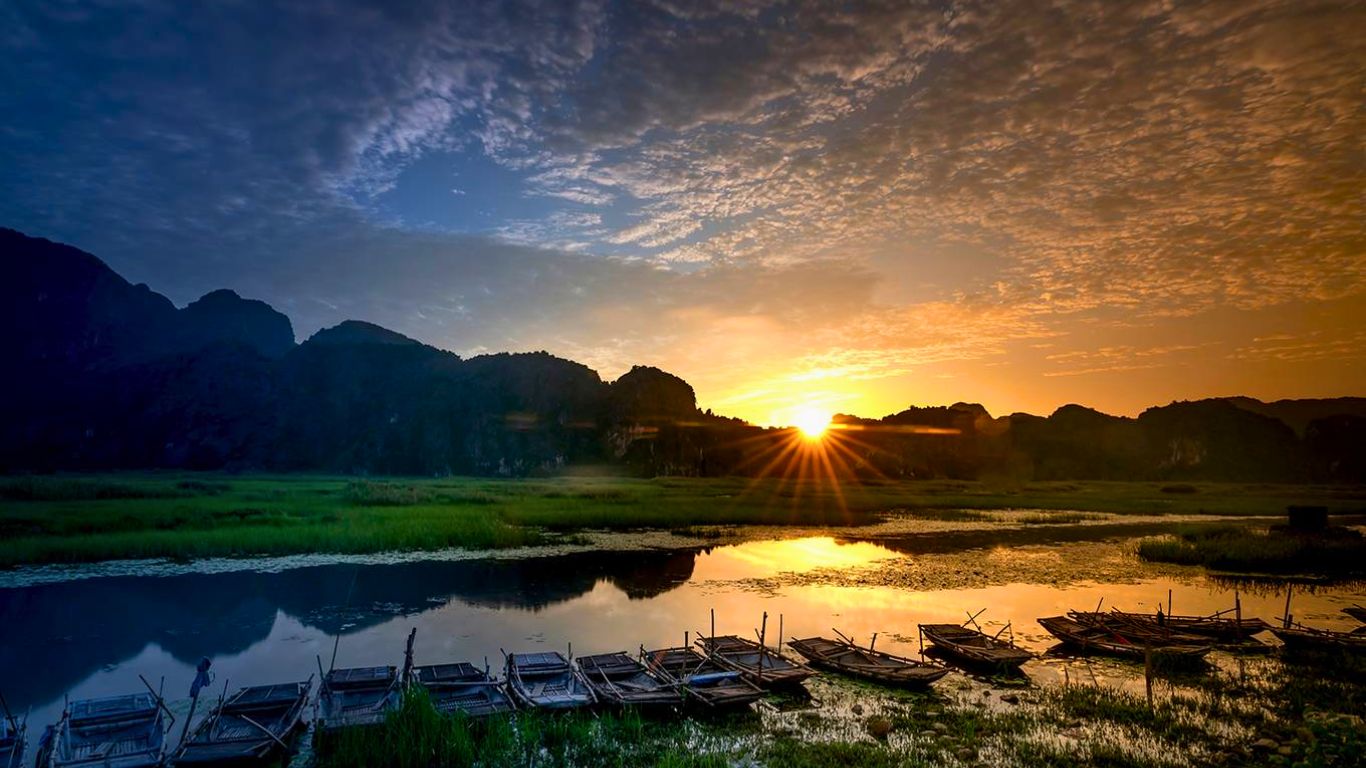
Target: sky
(853,207)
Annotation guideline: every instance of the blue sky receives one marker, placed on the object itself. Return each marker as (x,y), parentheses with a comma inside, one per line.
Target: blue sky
(853,206)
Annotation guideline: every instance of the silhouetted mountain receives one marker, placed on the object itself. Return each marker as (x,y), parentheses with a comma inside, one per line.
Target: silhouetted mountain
(106,374)
(1297,414)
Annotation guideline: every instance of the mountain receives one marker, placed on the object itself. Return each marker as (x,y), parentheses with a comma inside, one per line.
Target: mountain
(104,374)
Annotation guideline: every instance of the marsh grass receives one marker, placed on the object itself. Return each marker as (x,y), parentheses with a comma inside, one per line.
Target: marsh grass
(1336,551)
(81,518)
(417,736)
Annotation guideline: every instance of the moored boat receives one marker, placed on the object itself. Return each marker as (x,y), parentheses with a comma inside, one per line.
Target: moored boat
(1357,612)
(547,681)
(618,679)
(866,663)
(1301,638)
(258,725)
(357,697)
(1137,630)
(702,679)
(1106,639)
(970,646)
(1224,628)
(463,687)
(112,732)
(759,664)
(13,741)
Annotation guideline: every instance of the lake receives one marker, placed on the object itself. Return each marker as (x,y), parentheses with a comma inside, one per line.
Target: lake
(271,620)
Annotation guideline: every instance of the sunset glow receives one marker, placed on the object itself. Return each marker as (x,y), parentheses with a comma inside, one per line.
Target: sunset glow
(1114,205)
(812,423)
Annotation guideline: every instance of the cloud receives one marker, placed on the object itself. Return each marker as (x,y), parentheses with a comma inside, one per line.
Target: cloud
(776,190)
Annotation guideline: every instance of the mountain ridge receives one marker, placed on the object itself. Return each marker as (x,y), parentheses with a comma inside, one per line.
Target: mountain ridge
(115,376)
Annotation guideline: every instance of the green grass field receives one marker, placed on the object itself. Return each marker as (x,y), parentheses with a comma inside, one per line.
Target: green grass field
(85,518)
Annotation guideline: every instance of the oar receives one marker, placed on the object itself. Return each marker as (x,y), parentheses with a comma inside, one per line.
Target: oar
(160,702)
(972,619)
(264,730)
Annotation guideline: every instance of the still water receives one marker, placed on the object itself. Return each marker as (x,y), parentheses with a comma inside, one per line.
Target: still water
(94,636)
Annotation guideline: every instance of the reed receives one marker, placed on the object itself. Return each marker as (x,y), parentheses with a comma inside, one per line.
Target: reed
(82,518)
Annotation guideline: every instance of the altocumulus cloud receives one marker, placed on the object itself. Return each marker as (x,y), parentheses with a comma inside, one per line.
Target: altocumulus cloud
(730,189)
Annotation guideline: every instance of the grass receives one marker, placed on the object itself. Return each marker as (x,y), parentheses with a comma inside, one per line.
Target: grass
(1215,721)
(1243,549)
(84,518)
(417,736)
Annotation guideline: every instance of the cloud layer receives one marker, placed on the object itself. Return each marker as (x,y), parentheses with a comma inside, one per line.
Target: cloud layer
(783,202)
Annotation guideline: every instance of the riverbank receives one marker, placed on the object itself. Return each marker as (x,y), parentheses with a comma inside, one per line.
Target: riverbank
(1271,713)
(88,518)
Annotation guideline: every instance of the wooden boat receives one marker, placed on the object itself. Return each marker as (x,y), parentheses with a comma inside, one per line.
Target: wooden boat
(762,666)
(1108,639)
(357,697)
(114,732)
(463,687)
(702,679)
(618,679)
(547,681)
(1139,630)
(1299,638)
(256,726)
(1357,612)
(866,663)
(13,741)
(1224,628)
(973,647)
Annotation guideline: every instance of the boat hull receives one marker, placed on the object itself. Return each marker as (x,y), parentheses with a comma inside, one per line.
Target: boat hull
(1098,639)
(978,649)
(866,664)
(761,666)
(547,681)
(703,681)
(1321,641)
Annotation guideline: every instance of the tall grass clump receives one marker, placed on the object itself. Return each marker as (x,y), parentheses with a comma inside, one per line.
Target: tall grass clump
(79,489)
(1334,551)
(369,493)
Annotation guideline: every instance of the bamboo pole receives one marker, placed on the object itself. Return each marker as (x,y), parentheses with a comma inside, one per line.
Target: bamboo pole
(13,723)
(1285,621)
(780,634)
(763,629)
(1148,672)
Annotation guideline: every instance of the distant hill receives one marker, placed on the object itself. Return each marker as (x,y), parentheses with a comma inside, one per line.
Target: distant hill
(103,374)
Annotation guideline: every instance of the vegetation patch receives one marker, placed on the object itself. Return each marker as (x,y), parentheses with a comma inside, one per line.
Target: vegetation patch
(83,518)
(1334,551)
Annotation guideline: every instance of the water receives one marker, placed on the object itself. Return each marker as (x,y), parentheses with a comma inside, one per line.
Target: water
(93,636)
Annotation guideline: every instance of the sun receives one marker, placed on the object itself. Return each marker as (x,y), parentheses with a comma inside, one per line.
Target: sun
(812,422)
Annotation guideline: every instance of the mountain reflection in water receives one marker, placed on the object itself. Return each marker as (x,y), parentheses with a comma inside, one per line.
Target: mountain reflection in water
(58,634)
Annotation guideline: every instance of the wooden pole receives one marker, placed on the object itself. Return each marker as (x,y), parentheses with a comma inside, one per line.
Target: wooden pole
(13,724)
(1169,602)
(1285,621)
(408,655)
(1238,613)
(780,634)
(713,626)
(1148,672)
(872,642)
(763,628)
